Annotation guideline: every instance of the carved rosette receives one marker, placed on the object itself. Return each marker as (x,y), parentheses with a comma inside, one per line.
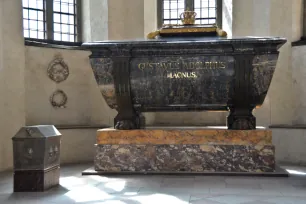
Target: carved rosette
(29,153)
(53,154)
(58,70)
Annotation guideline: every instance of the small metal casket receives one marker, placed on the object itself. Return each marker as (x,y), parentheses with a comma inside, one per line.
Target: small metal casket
(36,152)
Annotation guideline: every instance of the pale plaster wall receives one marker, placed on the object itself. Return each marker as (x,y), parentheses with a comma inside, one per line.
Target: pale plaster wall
(77,145)
(299,84)
(290,145)
(150,16)
(297,18)
(125,19)
(298,67)
(95,20)
(12,110)
(227,16)
(85,105)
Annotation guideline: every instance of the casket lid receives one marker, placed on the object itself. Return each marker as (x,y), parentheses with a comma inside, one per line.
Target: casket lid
(39,131)
(186,40)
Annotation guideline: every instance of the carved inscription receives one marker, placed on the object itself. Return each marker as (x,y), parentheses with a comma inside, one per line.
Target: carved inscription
(179,75)
(189,68)
(164,81)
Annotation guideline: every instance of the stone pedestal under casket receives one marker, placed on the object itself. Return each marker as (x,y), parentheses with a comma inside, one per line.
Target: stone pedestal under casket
(171,150)
(36,158)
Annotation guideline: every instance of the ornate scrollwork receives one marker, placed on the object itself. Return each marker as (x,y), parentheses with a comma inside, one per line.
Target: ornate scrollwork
(28,153)
(58,70)
(58,99)
(53,154)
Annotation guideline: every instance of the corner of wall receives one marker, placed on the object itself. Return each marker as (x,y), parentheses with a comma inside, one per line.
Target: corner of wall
(297,19)
(227,16)
(12,91)
(150,16)
(95,20)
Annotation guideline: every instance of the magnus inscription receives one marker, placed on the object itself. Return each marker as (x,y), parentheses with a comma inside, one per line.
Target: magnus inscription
(178,75)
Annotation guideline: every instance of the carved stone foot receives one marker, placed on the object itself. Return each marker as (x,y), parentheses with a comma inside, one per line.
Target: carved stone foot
(241,120)
(125,125)
(241,123)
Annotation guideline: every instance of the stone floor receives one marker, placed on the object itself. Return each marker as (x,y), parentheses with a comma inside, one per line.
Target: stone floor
(163,189)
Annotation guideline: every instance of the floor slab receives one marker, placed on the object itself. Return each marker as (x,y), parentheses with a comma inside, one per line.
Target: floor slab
(174,189)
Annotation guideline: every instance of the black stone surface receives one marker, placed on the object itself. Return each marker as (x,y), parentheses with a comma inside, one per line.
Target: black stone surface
(155,86)
(279,172)
(36,154)
(36,180)
(185,74)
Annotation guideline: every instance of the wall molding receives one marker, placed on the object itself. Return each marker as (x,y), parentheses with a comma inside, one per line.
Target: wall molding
(53,44)
(287,126)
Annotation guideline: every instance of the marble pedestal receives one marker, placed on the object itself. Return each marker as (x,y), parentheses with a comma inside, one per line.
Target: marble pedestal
(188,150)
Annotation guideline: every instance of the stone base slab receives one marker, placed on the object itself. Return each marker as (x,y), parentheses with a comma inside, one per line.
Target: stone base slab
(184,150)
(185,158)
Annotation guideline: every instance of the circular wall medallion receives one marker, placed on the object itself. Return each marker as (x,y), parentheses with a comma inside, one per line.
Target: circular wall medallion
(58,70)
(58,99)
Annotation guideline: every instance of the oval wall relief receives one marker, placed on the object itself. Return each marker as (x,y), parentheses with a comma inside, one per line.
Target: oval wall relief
(58,70)
(58,99)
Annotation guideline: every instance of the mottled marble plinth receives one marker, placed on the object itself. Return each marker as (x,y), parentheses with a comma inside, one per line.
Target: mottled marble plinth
(184,150)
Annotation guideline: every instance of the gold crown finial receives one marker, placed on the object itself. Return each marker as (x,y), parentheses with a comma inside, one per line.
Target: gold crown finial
(188,17)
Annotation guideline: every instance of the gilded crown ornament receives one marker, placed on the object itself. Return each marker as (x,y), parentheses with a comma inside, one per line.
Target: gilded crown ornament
(187,28)
(188,17)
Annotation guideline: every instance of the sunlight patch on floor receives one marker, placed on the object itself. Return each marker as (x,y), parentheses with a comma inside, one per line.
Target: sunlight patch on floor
(88,194)
(158,198)
(116,185)
(295,172)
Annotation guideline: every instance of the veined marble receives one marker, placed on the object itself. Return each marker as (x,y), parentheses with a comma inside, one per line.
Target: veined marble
(184,158)
(185,136)
(184,150)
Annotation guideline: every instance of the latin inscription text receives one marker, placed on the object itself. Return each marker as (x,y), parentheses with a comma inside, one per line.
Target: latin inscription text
(189,68)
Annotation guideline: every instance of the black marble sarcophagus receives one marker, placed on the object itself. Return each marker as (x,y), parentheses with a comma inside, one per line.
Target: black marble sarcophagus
(185,74)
